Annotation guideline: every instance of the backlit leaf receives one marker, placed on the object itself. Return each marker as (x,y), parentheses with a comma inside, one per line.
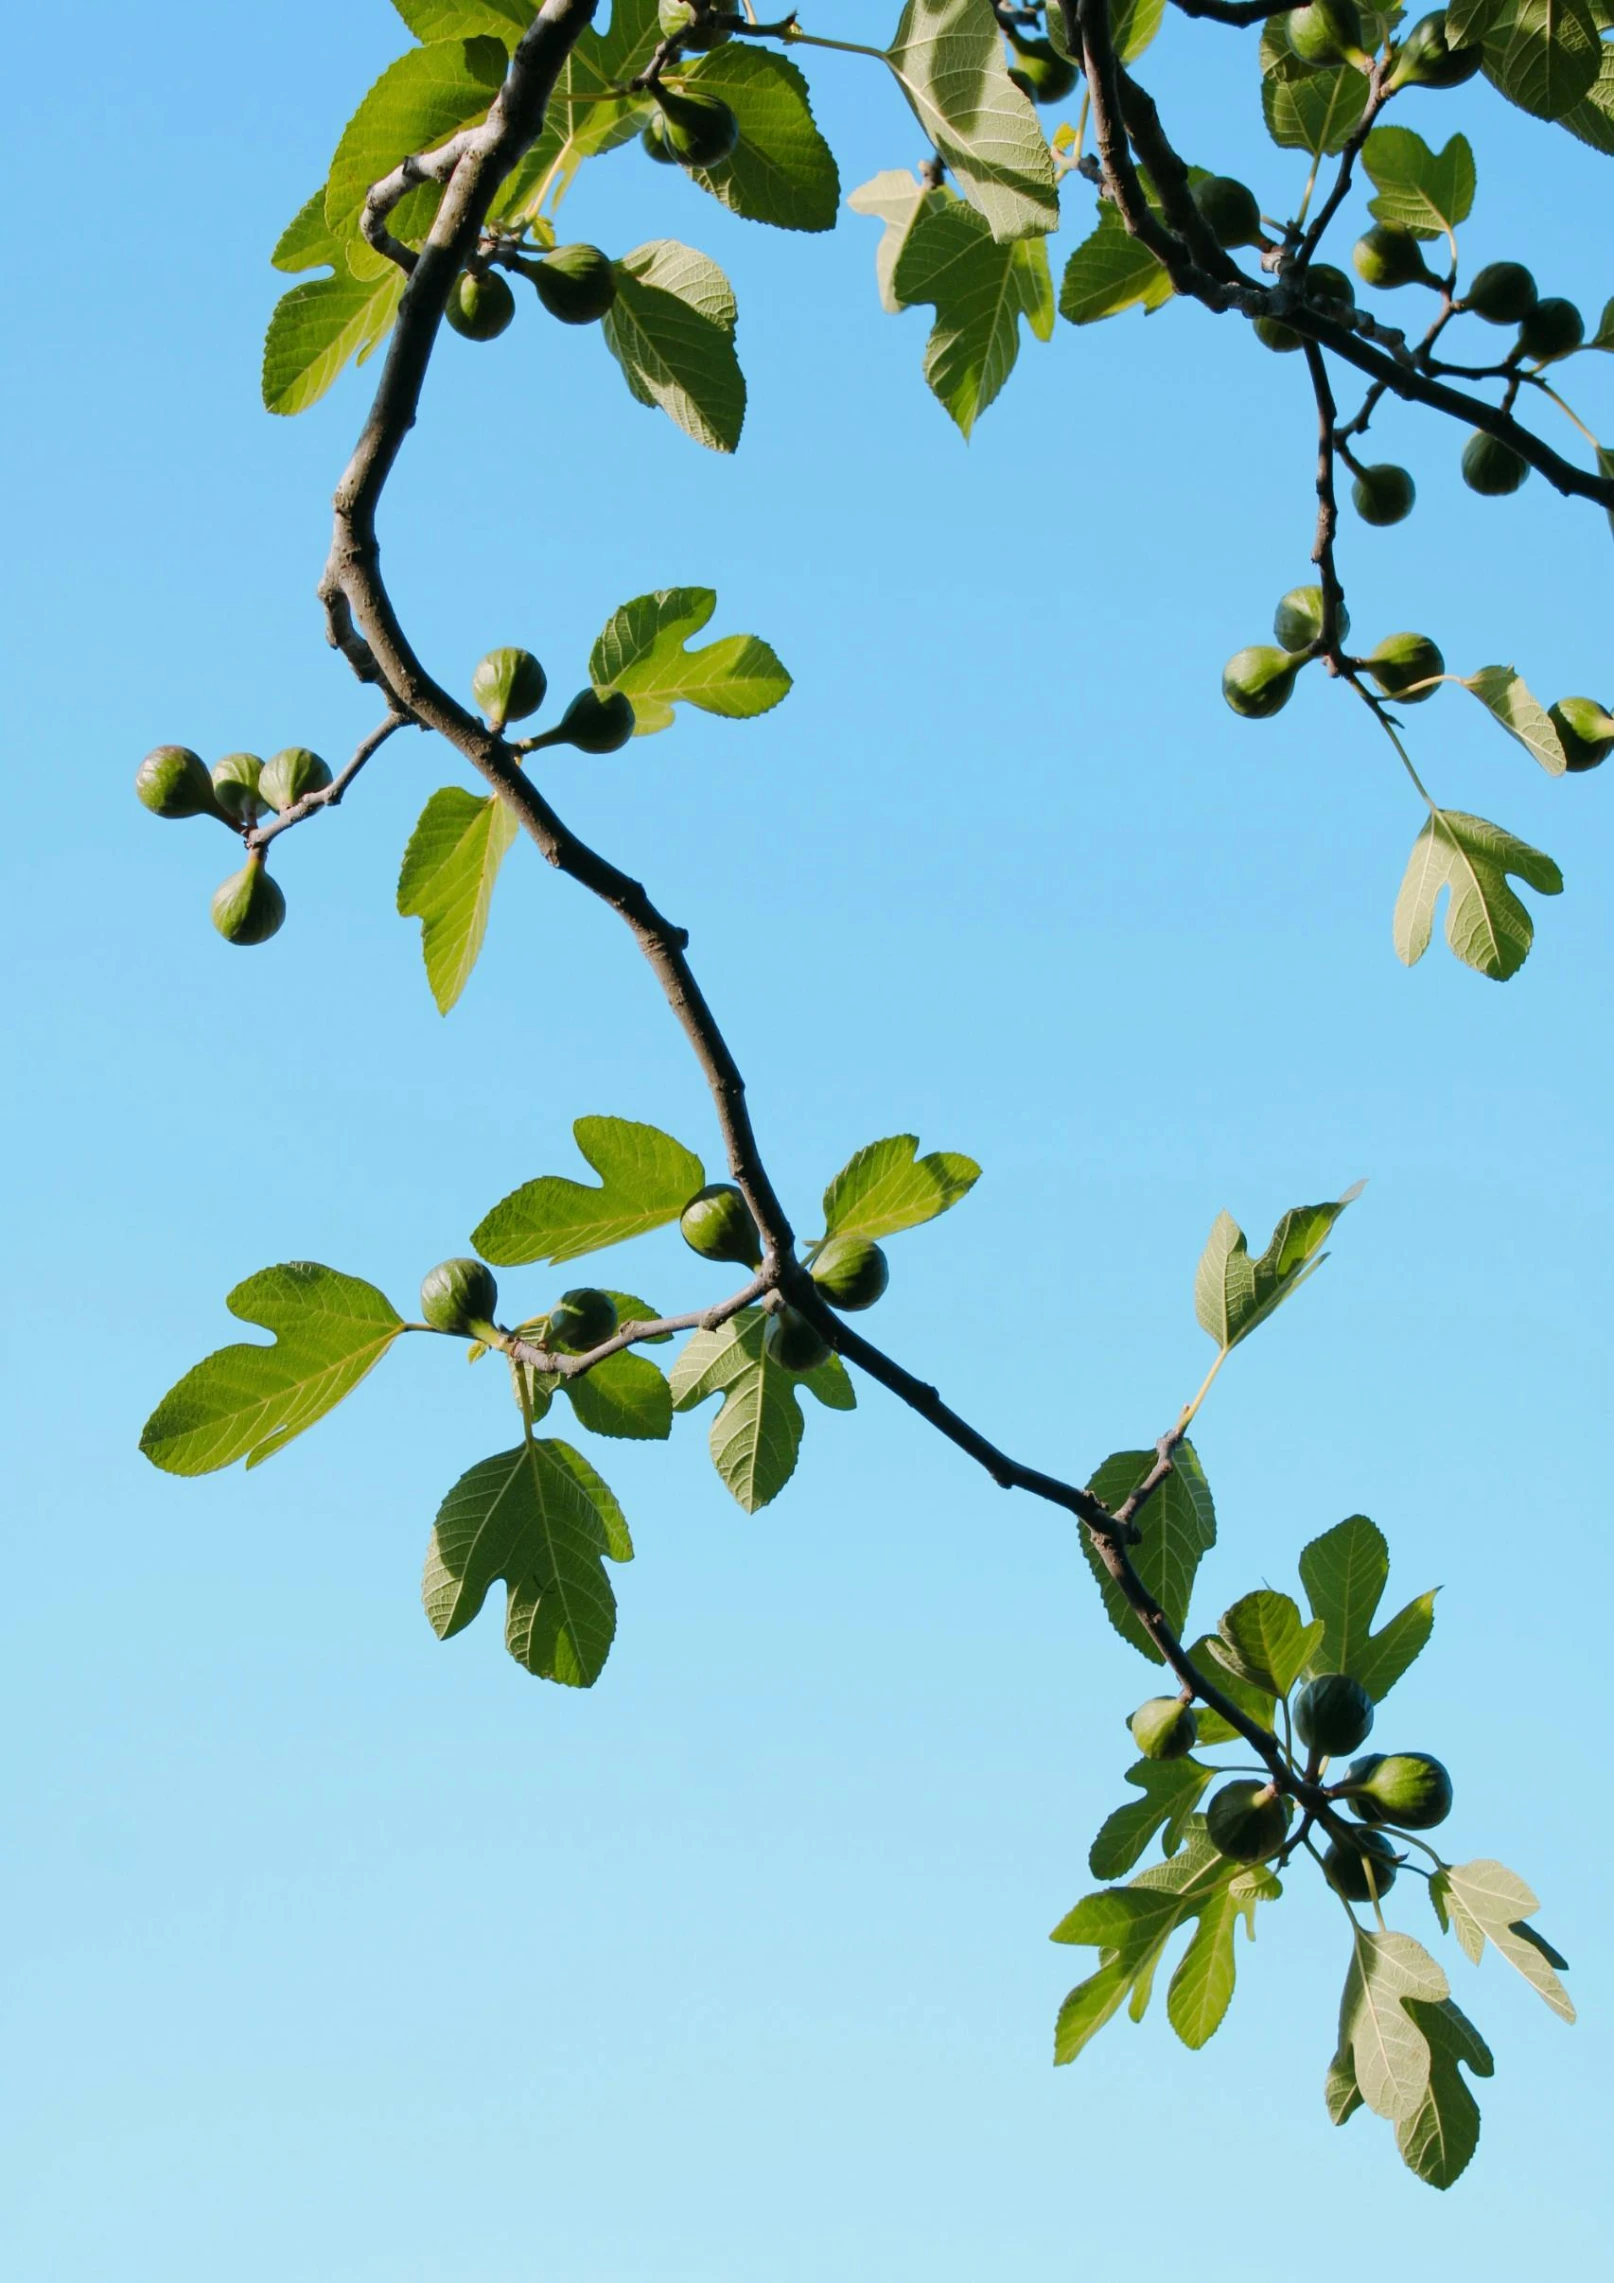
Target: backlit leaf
(646,1180)
(641,651)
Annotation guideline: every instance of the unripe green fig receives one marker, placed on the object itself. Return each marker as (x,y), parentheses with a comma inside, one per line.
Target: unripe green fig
(459,1296)
(1503,293)
(577,284)
(1165,1728)
(793,1342)
(699,130)
(851,1273)
(1427,57)
(172,781)
(1409,1788)
(1231,214)
(581,1319)
(1554,328)
(1329,290)
(1332,1714)
(1585,730)
(1383,493)
(595,724)
(289,774)
(1388,257)
(1491,467)
(1248,1820)
(235,787)
(1039,70)
(1258,682)
(1298,619)
(508,685)
(1328,31)
(653,142)
(1273,333)
(480,307)
(717,1224)
(692,23)
(248,907)
(1401,662)
(1362,1871)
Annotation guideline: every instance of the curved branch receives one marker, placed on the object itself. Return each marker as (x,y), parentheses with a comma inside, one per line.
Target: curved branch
(330,797)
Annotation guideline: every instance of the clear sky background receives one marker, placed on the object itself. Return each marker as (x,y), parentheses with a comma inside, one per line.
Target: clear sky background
(335,1953)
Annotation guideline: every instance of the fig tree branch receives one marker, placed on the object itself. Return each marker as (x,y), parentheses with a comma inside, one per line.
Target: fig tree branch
(1322,552)
(312,803)
(557,1365)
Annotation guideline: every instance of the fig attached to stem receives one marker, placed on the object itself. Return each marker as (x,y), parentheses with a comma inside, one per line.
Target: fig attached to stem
(1231,213)
(1327,31)
(1503,293)
(1248,1820)
(172,781)
(793,1342)
(717,1224)
(594,724)
(1383,493)
(1428,57)
(1554,328)
(1362,1869)
(1493,468)
(1332,1714)
(480,306)
(459,1297)
(699,130)
(248,907)
(577,284)
(1298,620)
(1387,257)
(1165,1728)
(291,774)
(1039,70)
(235,787)
(693,24)
(1259,682)
(851,1273)
(581,1319)
(508,684)
(1401,662)
(1585,731)
(1407,1788)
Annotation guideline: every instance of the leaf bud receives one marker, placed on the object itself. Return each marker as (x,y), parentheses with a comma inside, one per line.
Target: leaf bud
(1258,682)
(1332,1714)
(1165,1728)
(1585,730)
(581,1319)
(508,685)
(1408,1788)
(1383,493)
(1401,662)
(1248,1820)
(172,781)
(459,1296)
(793,1342)
(248,907)
(289,774)
(717,1224)
(1493,468)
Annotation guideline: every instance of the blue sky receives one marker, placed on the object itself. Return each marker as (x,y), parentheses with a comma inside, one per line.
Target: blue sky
(337,1953)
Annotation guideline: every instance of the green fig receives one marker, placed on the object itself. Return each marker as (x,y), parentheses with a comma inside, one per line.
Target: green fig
(581,1319)
(577,284)
(1428,57)
(1039,70)
(693,24)
(248,907)
(1329,290)
(699,130)
(1273,333)
(1585,730)
(1363,1869)
(653,142)
(1401,662)
(595,724)
(172,781)
(717,1224)
(508,685)
(1231,214)
(480,307)
(1327,31)
(1491,467)
(851,1273)
(1408,1788)
(1503,293)
(235,787)
(459,1296)
(1332,1714)
(1258,682)
(1165,1728)
(290,774)
(1554,328)
(1383,493)
(793,1342)
(1388,257)
(1298,619)
(1248,1820)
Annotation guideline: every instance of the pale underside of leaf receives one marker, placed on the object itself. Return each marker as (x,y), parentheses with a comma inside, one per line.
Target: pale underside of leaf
(947,57)
(671,329)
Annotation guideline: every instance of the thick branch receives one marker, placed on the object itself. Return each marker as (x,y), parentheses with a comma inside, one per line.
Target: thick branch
(1322,553)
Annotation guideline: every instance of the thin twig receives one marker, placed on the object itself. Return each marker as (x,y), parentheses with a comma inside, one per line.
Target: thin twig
(330,797)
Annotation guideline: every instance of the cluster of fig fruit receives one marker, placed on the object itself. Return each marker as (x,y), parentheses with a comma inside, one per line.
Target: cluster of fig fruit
(509,684)
(850,1272)
(172,781)
(576,284)
(1258,682)
(1331,32)
(1248,1820)
(459,1296)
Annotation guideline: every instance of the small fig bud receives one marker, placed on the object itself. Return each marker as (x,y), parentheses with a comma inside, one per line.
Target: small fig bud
(480,307)
(1231,214)
(1585,730)
(1248,1820)
(1258,682)
(1363,1870)
(581,1319)
(1554,328)
(172,781)
(577,284)
(1401,662)
(1273,333)
(235,787)
(699,130)
(248,907)
(1383,493)
(595,724)
(289,774)
(717,1224)
(1503,293)
(1427,57)
(693,23)
(1388,257)
(1298,619)
(1327,31)
(459,1296)
(851,1273)
(1492,468)
(1039,70)
(508,685)
(793,1342)
(1165,1728)
(1332,1714)
(1409,1788)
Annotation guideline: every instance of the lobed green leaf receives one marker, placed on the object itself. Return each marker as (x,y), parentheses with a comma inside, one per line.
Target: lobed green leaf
(1486,925)
(1179,1529)
(1420,190)
(1504,695)
(980,289)
(447,880)
(1486,1902)
(1317,112)
(1109,272)
(671,329)
(885,1188)
(1234,1294)
(417,103)
(781,171)
(315,330)
(641,651)
(1344,1573)
(756,1436)
(1172,1790)
(431,20)
(646,1180)
(1262,1640)
(947,58)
